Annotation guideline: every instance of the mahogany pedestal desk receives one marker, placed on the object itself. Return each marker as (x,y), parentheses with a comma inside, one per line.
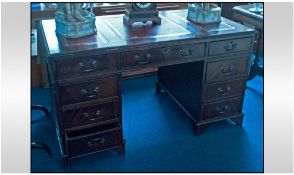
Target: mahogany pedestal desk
(202,67)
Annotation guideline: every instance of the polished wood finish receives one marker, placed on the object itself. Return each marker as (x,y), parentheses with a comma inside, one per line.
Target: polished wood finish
(118,51)
(89,90)
(226,69)
(229,46)
(91,113)
(93,141)
(85,66)
(220,109)
(216,91)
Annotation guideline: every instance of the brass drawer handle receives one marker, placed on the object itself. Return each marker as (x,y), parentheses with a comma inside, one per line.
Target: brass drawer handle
(86,94)
(87,116)
(96,117)
(222,92)
(221,109)
(88,65)
(227,70)
(144,60)
(230,46)
(186,53)
(166,51)
(96,142)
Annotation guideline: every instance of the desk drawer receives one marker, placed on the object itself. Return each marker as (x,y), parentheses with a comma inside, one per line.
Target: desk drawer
(91,114)
(91,90)
(222,109)
(229,46)
(141,58)
(75,67)
(222,70)
(93,140)
(154,56)
(222,90)
(184,51)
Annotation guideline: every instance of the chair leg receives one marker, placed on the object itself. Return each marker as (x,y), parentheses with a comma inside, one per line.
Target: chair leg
(42,108)
(42,146)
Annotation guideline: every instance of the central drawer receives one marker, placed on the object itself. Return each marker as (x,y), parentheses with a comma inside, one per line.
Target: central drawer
(90,90)
(91,114)
(164,54)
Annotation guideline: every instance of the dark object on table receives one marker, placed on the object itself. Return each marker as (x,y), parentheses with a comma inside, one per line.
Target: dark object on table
(141,12)
(244,15)
(38,145)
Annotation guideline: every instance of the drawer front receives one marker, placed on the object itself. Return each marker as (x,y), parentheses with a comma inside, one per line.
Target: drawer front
(154,56)
(141,58)
(222,109)
(93,143)
(222,70)
(88,91)
(91,114)
(229,46)
(222,90)
(75,67)
(184,51)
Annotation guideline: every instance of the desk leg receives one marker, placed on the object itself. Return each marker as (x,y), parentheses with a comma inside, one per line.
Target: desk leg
(255,69)
(121,149)
(238,120)
(198,129)
(65,162)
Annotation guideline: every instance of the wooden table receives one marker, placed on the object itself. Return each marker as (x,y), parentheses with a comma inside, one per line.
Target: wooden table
(35,62)
(242,14)
(203,68)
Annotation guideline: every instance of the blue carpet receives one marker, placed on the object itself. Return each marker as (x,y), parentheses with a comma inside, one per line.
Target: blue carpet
(159,137)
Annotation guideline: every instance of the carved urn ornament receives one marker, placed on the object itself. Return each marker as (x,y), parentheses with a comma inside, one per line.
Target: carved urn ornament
(204,13)
(74,20)
(141,12)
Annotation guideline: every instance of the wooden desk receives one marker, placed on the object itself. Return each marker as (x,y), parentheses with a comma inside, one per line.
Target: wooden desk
(242,14)
(85,74)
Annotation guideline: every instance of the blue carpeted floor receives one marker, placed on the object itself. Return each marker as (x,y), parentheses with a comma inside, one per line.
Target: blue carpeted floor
(159,136)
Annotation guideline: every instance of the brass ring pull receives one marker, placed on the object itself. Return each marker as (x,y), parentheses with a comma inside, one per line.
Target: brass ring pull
(96,117)
(227,70)
(187,52)
(86,94)
(96,142)
(144,60)
(230,46)
(222,92)
(221,109)
(88,65)
(87,116)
